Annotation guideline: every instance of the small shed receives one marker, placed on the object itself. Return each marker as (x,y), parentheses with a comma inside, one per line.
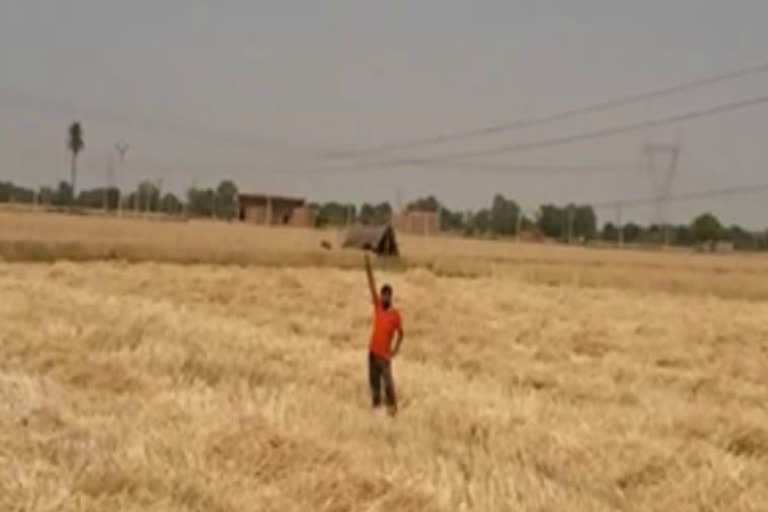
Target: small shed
(273,210)
(417,222)
(377,239)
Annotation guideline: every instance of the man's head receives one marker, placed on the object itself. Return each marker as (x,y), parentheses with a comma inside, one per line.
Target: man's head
(385,296)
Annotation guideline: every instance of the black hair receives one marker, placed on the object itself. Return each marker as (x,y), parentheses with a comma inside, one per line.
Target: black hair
(386,289)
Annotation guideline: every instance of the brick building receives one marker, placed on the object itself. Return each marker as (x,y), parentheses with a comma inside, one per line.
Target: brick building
(417,222)
(274,210)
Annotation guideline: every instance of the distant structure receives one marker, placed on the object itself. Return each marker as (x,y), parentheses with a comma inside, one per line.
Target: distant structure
(719,246)
(661,181)
(378,239)
(417,222)
(271,210)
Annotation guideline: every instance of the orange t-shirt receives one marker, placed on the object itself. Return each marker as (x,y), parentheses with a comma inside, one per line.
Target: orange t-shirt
(385,323)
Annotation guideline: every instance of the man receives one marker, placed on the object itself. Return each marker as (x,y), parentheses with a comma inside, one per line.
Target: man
(386,324)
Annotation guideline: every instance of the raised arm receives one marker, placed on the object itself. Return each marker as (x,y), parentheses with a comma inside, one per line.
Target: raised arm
(371,281)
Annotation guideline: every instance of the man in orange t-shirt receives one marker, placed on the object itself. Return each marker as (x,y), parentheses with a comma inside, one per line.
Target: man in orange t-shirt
(386,324)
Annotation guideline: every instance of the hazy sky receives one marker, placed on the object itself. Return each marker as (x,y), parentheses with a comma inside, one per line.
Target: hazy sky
(256,91)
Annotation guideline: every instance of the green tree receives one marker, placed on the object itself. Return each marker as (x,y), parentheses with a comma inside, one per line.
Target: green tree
(367,214)
(171,204)
(200,202)
(63,194)
(706,228)
(98,198)
(334,214)
(226,200)
(481,222)
(423,204)
(683,235)
(632,233)
(584,221)
(451,221)
(75,144)
(375,214)
(9,192)
(610,233)
(551,221)
(504,215)
(45,195)
(148,196)
(741,238)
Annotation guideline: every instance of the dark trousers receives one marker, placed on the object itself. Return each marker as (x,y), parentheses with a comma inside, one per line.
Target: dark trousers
(380,372)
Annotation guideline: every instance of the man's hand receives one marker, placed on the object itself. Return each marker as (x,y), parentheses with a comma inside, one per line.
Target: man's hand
(371,281)
(398,341)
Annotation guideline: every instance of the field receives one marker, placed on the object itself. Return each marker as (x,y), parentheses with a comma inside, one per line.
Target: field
(532,378)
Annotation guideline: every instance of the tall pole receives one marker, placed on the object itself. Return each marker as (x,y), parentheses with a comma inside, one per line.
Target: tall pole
(439,217)
(661,178)
(122,148)
(193,193)
(108,178)
(519,223)
(159,193)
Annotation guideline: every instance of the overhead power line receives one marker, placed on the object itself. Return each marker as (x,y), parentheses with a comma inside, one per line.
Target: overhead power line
(559,141)
(689,196)
(560,116)
(495,168)
(517,167)
(206,134)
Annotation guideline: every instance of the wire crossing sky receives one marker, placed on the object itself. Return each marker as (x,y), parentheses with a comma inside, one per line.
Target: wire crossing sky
(276,87)
(560,116)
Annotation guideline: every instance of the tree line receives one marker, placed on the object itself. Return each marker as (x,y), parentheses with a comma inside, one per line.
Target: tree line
(503,217)
(148,197)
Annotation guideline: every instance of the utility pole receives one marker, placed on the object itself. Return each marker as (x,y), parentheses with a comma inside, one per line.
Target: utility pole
(109,179)
(122,148)
(619,226)
(519,223)
(661,178)
(191,194)
(159,193)
(439,217)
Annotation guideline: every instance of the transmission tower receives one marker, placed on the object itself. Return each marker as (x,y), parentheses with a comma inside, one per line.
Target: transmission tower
(661,167)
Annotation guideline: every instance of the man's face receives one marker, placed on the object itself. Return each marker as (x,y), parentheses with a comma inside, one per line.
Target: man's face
(386,297)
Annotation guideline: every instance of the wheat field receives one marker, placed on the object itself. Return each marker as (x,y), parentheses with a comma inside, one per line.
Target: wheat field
(43,237)
(540,384)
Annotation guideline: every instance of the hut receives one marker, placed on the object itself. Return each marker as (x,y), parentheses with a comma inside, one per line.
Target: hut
(418,222)
(377,239)
(273,210)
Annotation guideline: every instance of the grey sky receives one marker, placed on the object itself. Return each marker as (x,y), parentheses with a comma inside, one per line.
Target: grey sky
(278,80)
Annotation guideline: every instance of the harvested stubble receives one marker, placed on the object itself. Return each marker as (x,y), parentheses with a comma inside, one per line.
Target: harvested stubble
(41,237)
(152,386)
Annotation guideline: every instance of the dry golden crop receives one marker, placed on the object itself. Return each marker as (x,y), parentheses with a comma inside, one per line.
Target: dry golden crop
(128,387)
(533,377)
(43,237)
